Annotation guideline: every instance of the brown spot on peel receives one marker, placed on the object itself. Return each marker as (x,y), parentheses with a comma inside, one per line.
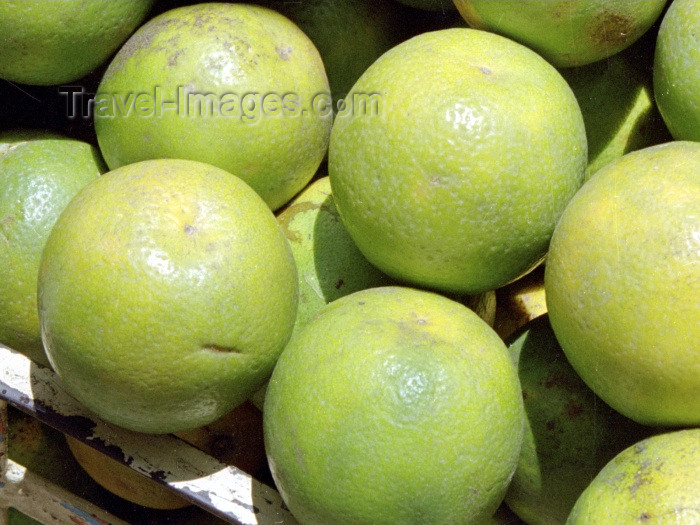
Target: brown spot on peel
(221,349)
(640,477)
(573,409)
(284,52)
(610,30)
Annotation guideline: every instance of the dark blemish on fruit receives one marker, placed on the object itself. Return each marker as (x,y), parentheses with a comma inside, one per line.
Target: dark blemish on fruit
(644,516)
(221,349)
(172,59)
(339,284)
(284,52)
(610,30)
(202,20)
(139,41)
(361,303)
(573,409)
(189,229)
(561,10)
(560,379)
(639,478)
(639,448)
(485,70)
(4,238)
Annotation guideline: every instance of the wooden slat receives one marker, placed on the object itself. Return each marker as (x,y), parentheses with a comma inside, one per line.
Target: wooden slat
(46,502)
(222,490)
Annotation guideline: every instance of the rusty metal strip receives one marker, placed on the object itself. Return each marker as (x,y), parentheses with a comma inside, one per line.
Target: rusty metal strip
(222,490)
(4,435)
(4,451)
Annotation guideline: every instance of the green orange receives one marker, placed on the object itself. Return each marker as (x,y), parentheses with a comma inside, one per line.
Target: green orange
(677,70)
(237,86)
(453,176)
(616,97)
(167,290)
(39,174)
(622,281)
(393,405)
(656,480)
(328,262)
(570,433)
(567,33)
(61,41)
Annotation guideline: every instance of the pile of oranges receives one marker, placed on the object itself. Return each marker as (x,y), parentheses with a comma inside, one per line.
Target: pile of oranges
(333,210)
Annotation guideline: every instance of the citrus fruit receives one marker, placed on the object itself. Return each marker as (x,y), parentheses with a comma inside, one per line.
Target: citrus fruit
(42,450)
(570,433)
(39,174)
(329,265)
(166,292)
(349,35)
(57,42)
(453,176)
(622,281)
(617,102)
(654,481)
(565,32)
(121,480)
(393,405)
(237,86)
(519,302)
(677,70)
